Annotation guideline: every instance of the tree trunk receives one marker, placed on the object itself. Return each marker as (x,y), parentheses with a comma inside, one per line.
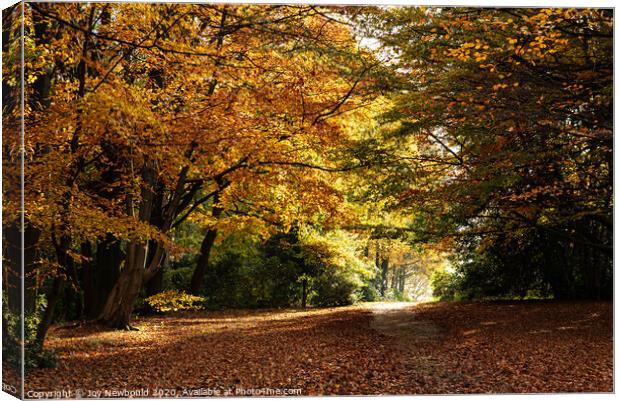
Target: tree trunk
(203,261)
(31,256)
(154,284)
(48,315)
(205,250)
(63,246)
(11,269)
(304,293)
(117,310)
(402,279)
(100,275)
(384,275)
(395,278)
(88,278)
(119,306)
(66,266)
(74,295)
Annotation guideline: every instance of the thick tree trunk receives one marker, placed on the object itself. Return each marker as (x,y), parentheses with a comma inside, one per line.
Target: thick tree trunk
(117,310)
(119,306)
(99,276)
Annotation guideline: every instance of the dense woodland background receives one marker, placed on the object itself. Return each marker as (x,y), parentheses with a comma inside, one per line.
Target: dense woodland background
(182,156)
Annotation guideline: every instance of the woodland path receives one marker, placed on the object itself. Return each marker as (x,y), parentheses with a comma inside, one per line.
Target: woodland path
(384,348)
(398,320)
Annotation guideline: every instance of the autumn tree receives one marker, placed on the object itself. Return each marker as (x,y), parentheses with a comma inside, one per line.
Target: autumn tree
(155,113)
(509,114)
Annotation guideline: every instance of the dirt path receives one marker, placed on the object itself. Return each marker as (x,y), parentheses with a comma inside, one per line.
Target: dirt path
(315,351)
(383,348)
(400,324)
(399,321)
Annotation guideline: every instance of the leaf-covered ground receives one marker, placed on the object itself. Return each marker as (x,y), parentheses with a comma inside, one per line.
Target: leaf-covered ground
(430,348)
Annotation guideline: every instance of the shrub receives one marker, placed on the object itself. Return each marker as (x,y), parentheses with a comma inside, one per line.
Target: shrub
(35,355)
(173,300)
(444,285)
(39,357)
(334,288)
(369,293)
(395,295)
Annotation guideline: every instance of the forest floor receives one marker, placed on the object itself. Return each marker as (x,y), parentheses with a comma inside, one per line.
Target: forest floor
(504,347)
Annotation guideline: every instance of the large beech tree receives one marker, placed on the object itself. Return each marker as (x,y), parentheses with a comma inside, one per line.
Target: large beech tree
(156,112)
